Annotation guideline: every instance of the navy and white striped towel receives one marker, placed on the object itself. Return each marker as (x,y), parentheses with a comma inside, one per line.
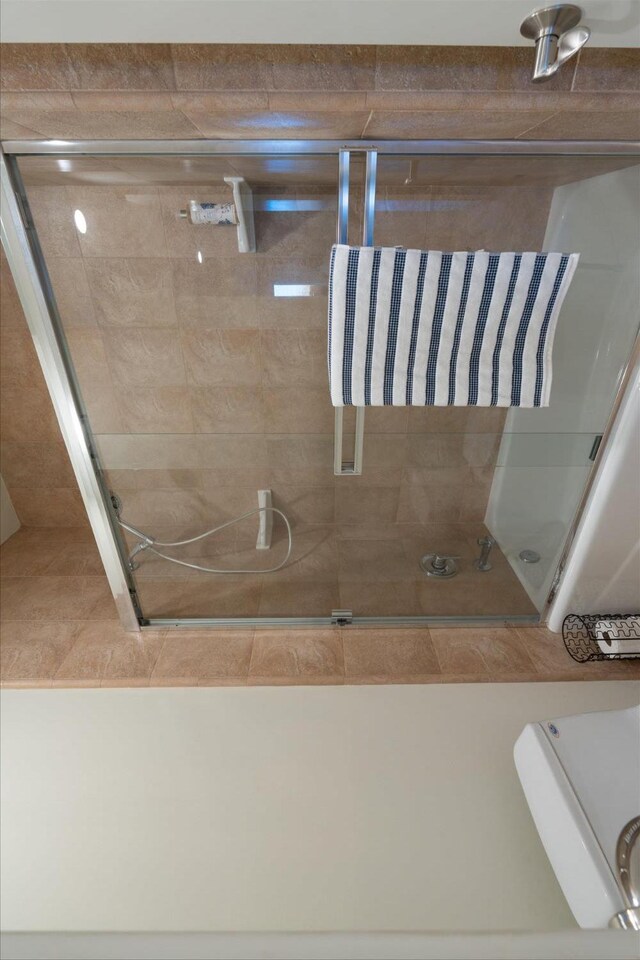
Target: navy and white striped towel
(415,328)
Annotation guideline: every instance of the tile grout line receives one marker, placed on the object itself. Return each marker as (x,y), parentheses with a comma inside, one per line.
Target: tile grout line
(575,71)
(161,646)
(368,121)
(178,325)
(173,68)
(253,644)
(302,91)
(517,631)
(70,650)
(538,124)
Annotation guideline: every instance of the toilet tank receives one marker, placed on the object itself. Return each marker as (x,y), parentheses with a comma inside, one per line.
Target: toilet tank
(581,778)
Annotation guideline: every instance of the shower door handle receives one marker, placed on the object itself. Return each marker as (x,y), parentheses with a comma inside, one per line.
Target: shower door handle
(353,467)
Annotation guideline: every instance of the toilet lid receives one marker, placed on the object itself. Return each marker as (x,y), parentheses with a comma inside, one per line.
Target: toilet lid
(600,754)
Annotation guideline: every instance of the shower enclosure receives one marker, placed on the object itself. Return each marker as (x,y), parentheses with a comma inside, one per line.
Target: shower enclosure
(190,378)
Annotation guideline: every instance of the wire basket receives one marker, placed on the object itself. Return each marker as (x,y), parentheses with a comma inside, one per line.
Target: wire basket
(602,636)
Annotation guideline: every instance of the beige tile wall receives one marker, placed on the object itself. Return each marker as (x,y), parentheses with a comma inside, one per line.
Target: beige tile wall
(203,386)
(33,458)
(184,91)
(133,299)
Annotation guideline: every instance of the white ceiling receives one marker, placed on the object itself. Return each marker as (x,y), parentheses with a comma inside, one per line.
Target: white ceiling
(614,23)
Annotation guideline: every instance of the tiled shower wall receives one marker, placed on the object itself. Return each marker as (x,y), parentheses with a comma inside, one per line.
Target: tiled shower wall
(108,91)
(34,461)
(204,387)
(158,90)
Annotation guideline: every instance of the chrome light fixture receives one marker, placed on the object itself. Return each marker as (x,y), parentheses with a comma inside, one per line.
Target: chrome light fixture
(557,36)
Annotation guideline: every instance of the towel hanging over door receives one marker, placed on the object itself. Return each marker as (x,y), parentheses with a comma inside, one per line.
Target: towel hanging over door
(426,328)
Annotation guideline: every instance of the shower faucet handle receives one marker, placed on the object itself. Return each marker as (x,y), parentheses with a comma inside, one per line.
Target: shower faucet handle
(482,563)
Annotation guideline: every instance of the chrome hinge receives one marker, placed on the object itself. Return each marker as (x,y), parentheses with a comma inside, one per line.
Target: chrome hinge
(341,618)
(595,446)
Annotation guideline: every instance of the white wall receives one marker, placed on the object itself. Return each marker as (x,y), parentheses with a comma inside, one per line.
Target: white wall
(9,521)
(614,23)
(281,809)
(543,459)
(560,945)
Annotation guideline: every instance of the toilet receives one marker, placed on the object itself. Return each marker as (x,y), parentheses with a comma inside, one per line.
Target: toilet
(581,778)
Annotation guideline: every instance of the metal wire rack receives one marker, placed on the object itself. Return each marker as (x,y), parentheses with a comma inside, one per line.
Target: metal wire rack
(602,636)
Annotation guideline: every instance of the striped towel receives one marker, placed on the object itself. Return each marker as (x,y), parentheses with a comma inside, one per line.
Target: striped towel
(416,328)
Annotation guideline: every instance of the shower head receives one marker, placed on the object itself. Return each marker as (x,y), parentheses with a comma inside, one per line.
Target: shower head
(557,36)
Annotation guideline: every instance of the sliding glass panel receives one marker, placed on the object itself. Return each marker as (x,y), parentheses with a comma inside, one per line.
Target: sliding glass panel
(516,475)
(203,369)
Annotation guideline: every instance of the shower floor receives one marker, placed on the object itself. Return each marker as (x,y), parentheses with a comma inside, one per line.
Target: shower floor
(333,567)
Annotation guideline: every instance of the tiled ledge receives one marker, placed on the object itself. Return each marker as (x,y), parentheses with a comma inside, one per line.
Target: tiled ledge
(99,654)
(51,66)
(146,91)
(58,628)
(313,115)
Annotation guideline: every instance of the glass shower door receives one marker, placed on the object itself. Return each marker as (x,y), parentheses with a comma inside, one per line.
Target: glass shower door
(428,471)
(203,369)
(203,376)
(517,475)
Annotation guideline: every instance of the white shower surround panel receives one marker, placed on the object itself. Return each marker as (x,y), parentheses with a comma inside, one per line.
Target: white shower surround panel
(543,461)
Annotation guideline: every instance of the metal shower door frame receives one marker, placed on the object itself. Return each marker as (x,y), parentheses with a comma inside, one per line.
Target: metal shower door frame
(29,271)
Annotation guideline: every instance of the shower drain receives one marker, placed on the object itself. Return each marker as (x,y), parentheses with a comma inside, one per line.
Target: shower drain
(439,565)
(529,556)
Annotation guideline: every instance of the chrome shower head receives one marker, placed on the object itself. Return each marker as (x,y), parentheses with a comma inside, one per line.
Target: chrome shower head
(557,36)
